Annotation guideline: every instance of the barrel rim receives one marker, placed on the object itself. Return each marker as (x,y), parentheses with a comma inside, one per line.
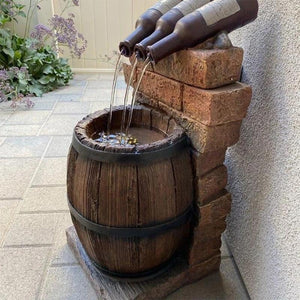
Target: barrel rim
(137,158)
(165,148)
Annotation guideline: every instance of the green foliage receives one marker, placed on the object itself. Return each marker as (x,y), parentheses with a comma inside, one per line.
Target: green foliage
(9,10)
(46,71)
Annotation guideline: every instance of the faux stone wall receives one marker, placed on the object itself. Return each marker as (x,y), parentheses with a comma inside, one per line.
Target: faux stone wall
(264,167)
(199,89)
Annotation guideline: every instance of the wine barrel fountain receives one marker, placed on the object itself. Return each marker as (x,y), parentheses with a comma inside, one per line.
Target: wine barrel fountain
(140,209)
(131,206)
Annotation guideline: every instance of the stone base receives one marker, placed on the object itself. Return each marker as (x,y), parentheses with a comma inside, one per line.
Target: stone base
(178,276)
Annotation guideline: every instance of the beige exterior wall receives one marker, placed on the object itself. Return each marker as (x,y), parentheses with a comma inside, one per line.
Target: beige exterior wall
(264,167)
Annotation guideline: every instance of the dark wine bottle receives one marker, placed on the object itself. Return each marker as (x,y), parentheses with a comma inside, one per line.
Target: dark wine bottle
(204,23)
(166,24)
(145,25)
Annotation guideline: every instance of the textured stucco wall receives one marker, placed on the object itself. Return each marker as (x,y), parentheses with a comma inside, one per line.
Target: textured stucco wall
(264,167)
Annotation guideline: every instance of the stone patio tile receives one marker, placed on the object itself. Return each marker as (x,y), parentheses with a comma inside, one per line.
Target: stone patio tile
(72,108)
(60,124)
(59,146)
(21,272)
(8,208)
(19,130)
(48,97)
(52,171)
(69,98)
(100,94)
(69,90)
(33,146)
(45,199)
(86,76)
(224,285)
(15,175)
(27,117)
(100,84)
(32,229)
(67,283)
(2,139)
(98,105)
(107,76)
(62,254)
(43,105)
(78,83)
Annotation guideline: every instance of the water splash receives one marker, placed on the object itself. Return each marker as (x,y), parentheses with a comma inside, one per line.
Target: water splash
(127,93)
(144,68)
(113,90)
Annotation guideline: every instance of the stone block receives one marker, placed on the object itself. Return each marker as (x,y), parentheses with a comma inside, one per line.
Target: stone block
(204,138)
(211,184)
(163,89)
(158,87)
(217,106)
(215,210)
(204,162)
(204,249)
(206,69)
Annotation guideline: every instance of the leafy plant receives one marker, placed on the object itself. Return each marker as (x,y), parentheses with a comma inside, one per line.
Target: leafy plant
(9,10)
(45,70)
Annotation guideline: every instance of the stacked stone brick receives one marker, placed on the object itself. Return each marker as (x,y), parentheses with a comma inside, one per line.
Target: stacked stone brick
(200,90)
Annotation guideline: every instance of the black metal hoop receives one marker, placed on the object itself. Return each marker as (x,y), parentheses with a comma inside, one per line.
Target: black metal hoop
(139,276)
(137,158)
(128,232)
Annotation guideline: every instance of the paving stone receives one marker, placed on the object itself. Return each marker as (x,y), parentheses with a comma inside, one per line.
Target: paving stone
(32,229)
(15,175)
(4,114)
(106,76)
(28,117)
(45,199)
(100,84)
(19,130)
(223,285)
(99,105)
(2,139)
(87,76)
(21,272)
(60,124)
(78,83)
(67,282)
(59,146)
(48,97)
(46,105)
(52,171)
(69,90)
(62,254)
(8,209)
(100,94)
(24,146)
(69,98)
(72,108)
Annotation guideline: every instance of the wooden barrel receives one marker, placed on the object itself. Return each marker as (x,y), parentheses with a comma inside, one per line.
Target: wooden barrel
(132,206)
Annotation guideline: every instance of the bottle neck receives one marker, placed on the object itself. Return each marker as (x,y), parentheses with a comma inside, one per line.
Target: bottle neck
(168,45)
(126,47)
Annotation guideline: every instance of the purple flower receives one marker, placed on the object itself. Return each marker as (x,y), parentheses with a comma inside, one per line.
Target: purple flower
(75,2)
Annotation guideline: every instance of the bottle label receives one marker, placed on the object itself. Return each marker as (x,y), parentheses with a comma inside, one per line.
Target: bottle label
(188,6)
(165,5)
(218,10)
